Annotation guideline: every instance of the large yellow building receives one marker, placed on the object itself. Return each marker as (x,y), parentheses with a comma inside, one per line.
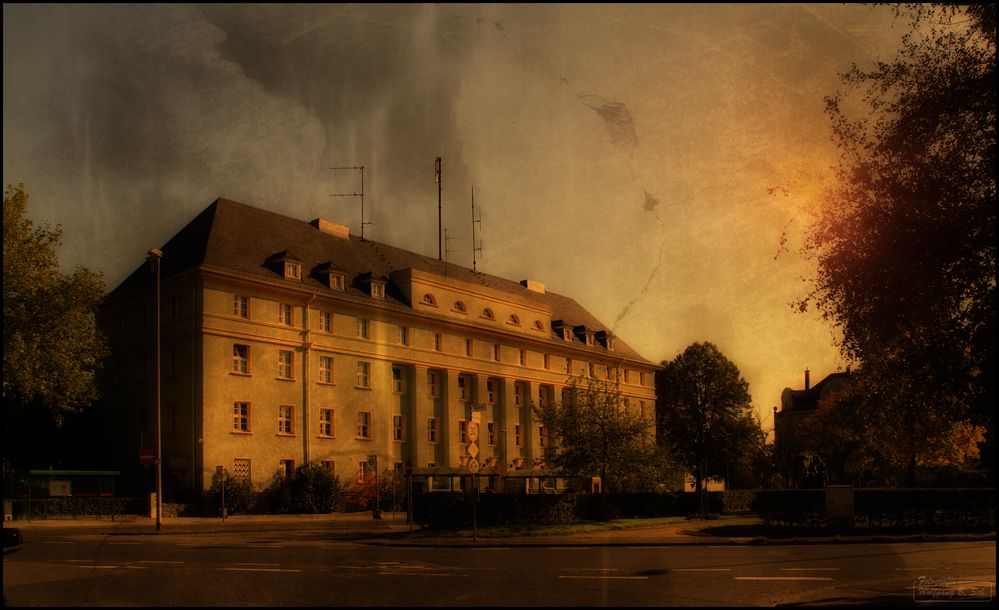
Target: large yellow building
(285,342)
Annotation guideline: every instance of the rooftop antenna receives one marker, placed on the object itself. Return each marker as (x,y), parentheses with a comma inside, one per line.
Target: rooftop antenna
(475,221)
(439,179)
(361,194)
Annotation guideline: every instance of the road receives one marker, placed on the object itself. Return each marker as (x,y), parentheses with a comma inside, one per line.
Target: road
(314,568)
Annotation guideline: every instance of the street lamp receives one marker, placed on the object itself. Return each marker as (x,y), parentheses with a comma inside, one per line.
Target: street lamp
(158,255)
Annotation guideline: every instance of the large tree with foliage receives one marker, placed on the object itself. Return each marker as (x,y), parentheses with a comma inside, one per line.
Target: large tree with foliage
(51,347)
(905,242)
(593,432)
(704,412)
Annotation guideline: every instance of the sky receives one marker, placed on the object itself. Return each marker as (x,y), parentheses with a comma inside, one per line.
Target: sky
(658,163)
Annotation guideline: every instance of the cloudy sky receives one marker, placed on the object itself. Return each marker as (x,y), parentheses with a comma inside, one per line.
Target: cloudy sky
(659,163)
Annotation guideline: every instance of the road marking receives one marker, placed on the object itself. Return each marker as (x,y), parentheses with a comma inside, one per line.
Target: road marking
(701,570)
(809,569)
(58,542)
(100,567)
(490,548)
(137,567)
(157,561)
(822,578)
(605,577)
(251,563)
(257,570)
(590,569)
(413,574)
(569,548)
(123,543)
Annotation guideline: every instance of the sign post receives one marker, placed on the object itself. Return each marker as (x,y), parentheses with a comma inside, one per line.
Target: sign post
(473,464)
(409,493)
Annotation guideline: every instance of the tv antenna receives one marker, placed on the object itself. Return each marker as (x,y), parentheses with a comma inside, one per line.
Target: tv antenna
(439,179)
(475,221)
(361,194)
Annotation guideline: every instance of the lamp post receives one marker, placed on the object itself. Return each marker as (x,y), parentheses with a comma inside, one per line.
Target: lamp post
(158,255)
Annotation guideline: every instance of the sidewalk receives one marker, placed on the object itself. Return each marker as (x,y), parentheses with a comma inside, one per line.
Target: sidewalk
(392,530)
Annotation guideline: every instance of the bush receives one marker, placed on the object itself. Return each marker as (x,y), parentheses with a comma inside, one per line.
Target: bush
(239,495)
(315,489)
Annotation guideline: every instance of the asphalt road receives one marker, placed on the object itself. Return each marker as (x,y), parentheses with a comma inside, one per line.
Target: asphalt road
(315,568)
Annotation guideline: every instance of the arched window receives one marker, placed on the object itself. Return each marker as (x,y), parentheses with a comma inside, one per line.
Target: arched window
(428,299)
(488,314)
(514,319)
(460,307)
(538,325)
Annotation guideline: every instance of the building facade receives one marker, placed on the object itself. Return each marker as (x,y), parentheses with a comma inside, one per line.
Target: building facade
(285,342)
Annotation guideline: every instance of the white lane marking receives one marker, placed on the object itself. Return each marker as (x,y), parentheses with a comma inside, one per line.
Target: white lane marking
(257,570)
(601,577)
(822,578)
(413,574)
(701,570)
(489,548)
(251,563)
(123,543)
(809,569)
(569,548)
(157,561)
(58,542)
(100,567)
(137,567)
(590,569)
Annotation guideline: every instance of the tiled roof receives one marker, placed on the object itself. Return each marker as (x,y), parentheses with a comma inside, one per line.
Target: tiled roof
(240,238)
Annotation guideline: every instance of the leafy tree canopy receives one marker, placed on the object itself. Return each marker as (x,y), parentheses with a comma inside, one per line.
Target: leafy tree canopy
(905,243)
(593,432)
(51,349)
(704,412)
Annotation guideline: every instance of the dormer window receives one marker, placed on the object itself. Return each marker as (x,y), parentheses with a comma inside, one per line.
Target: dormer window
(377,290)
(372,283)
(459,307)
(589,340)
(566,334)
(428,299)
(292,271)
(488,314)
(562,330)
(287,264)
(606,338)
(337,281)
(333,276)
(539,325)
(514,319)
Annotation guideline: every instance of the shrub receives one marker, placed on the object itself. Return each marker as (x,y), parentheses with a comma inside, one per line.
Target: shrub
(315,489)
(239,495)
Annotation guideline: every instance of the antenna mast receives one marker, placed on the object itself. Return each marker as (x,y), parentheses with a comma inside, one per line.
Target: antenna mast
(361,194)
(474,222)
(439,179)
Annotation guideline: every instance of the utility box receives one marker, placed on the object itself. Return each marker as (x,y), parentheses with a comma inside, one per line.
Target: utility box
(152,505)
(839,507)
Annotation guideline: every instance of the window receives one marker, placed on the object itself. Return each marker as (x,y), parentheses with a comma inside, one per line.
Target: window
(428,299)
(523,357)
(432,429)
(362,328)
(363,470)
(496,352)
(627,405)
(363,375)
(641,409)
(364,424)
(398,428)
(292,271)
(433,389)
(462,431)
(627,376)
(516,435)
(403,335)
(641,378)
(326,321)
(541,436)
(462,387)
(286,363)
(241,469)
(241,417)
(490,390)
(284,314)
(589,339)
(326,428)
(468,347)
(398,380)
(548,362)
(491,433)
(568,365)
(330,465)
(542,396)
(488,314)
(459,307)
(518,394)
(241,359)
(326,369)
(287,468)
(438,342)
(514,319)
(336,281)
(378,290)
(285,419)
(566,334)
(539,325)
(241,306)
(592,370)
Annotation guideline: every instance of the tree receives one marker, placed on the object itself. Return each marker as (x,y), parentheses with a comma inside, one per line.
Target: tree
(51,347)
(905,242)
(593,432)
(704,412)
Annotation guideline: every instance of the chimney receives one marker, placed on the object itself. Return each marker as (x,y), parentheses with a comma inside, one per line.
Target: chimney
(533,286)
(332,228)
(807,382)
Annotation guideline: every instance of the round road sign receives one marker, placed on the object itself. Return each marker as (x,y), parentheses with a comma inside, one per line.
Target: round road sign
(473,465)
(473,431)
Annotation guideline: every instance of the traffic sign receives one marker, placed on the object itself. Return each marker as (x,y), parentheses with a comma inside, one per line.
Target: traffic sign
(473,431)
(473,449)
(473,465)
(146,456)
